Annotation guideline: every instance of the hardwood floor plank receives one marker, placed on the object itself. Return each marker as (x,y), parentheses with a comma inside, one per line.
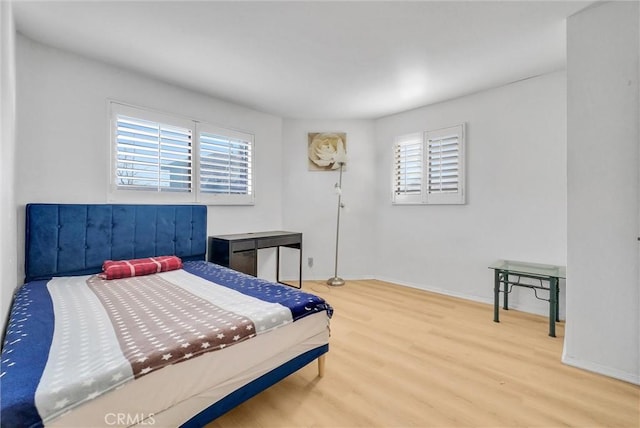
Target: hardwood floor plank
(402,357)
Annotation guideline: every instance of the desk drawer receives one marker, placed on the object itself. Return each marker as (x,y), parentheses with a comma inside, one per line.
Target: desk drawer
(249,244)
(280,241)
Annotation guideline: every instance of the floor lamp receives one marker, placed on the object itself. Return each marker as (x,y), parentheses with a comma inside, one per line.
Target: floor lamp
(336,281)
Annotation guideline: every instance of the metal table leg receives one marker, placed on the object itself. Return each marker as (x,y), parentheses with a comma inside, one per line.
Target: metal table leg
(557,299)
(278,268)
(553,305)
(505,281)
(496,295)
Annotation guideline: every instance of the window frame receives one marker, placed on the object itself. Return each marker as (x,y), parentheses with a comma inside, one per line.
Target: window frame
(194,195)
(425,197)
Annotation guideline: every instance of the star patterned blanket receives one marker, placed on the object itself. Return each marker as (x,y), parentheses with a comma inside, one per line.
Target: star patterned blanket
(72,339)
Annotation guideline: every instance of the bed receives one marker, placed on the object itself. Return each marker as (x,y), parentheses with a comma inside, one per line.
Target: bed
(175,348)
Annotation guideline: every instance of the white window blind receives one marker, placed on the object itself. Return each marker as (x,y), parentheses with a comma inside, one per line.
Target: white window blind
(429,168)
(172,159)
(225,165)
(445,166)
(152,155)
(408,169)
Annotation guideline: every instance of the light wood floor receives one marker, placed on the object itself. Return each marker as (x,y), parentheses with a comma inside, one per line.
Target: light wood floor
(401,357)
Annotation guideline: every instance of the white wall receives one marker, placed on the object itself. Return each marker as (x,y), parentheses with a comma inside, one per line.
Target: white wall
(516,193)
(603,328)
(62,132)
(8,209)
(311,204)
(516,178)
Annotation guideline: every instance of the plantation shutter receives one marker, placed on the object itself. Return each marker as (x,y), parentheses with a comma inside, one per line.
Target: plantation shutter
(174,159)
(408,169)
(444,163)
(428,168)
(152,155)
(226,164)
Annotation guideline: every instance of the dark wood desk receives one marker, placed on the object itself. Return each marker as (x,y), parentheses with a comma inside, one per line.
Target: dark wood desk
(240,251)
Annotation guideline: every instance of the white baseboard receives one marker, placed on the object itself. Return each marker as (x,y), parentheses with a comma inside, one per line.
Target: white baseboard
(600,369)
(345,277)
(474,298)
(436,290)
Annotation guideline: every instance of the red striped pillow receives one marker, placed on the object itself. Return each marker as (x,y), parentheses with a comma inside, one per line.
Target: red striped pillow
(136,267)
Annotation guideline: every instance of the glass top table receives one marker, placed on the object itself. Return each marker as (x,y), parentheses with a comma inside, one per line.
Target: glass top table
(505,269)
(515,268)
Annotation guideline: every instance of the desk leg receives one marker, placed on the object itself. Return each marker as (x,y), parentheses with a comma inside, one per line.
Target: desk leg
(553,305)
(278,268)
(278,264)
(300,267)
(496,295)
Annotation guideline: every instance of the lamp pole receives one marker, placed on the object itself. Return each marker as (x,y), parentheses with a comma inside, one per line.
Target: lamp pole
(336,280)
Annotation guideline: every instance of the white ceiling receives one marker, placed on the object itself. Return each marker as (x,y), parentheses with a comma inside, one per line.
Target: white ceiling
(323,59)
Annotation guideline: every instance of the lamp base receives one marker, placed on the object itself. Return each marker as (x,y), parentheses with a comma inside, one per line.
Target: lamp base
(335,281)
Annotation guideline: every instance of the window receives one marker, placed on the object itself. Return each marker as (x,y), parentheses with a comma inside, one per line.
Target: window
(429,168)
(161,157)
(226,159)
(152,156)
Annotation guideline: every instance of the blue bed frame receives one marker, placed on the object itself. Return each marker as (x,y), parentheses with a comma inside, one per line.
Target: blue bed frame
(69,239)
(75,239)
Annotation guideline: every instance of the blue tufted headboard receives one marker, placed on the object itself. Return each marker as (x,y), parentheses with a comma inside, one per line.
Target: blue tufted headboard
(70,239)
